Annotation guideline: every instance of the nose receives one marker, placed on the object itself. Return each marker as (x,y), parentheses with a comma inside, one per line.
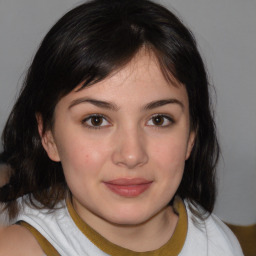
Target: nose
(130,149)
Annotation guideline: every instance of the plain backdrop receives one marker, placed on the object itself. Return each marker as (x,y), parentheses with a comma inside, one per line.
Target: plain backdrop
(226,34)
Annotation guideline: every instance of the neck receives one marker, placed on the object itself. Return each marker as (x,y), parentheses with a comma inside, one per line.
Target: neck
(147,236)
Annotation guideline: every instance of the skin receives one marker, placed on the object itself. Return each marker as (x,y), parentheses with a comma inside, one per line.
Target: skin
(16,241)
(141,131)
(4,174)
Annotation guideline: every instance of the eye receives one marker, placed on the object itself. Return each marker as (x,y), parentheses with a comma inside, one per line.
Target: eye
(160,120)
(95,121)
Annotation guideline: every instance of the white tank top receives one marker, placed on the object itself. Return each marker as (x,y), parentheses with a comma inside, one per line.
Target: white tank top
(70,236)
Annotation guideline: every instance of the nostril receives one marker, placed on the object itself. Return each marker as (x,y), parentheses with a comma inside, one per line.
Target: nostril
(130,158)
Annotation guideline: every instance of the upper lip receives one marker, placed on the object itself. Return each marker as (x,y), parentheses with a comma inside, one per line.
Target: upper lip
(128,181)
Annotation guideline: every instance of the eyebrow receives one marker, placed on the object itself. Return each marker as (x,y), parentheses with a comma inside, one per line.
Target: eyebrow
(114,107)
(160,103)
(97,103)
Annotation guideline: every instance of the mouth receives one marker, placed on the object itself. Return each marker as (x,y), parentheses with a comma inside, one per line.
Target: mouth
(128,187)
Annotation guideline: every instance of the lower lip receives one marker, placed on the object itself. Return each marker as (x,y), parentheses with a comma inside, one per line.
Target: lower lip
(128,190)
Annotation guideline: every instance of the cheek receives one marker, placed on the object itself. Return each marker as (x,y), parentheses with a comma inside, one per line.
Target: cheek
(82,167)
(81,156)
(170,153)
(169,159)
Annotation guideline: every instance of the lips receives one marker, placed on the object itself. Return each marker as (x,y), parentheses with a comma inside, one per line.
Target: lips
(128,187)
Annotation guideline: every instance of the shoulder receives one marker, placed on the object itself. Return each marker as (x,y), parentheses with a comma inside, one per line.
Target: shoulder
(221,237)
(218,238)
(16,240)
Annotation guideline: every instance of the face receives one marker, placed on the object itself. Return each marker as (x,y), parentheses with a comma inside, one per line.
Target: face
(123,143)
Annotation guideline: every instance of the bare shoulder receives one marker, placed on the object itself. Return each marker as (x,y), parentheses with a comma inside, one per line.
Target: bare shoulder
(17,240)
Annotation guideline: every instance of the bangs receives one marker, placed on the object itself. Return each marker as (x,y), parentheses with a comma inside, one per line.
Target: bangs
(88,44)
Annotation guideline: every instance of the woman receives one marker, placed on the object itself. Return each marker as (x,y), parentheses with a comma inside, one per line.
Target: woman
(112,142)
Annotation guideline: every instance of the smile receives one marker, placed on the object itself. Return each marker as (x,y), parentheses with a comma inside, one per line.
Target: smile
(128,187)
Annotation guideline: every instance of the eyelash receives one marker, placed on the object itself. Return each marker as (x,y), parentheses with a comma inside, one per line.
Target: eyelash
(167,118)
(84,121)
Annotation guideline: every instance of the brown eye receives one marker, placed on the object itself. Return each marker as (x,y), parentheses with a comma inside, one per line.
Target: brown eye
(160,121)
(96,120)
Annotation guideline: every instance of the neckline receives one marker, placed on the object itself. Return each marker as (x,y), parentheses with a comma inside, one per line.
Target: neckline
(171,248)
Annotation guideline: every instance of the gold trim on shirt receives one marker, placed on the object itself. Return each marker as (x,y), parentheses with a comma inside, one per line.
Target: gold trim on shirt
(171,248)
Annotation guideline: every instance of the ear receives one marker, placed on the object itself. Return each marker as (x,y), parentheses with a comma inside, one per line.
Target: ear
(47,140)
(191,141)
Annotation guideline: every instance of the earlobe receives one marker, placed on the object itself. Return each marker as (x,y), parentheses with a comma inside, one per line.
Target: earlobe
(47,140)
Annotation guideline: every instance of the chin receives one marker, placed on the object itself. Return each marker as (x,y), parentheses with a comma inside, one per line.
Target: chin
(128,218)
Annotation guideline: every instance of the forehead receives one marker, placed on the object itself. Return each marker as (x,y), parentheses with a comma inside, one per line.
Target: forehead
(140,80)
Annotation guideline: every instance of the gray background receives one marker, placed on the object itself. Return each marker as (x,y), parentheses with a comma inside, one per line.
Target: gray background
(226,33)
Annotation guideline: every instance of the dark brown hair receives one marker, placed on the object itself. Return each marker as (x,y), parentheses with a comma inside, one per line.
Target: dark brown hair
(86,45)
